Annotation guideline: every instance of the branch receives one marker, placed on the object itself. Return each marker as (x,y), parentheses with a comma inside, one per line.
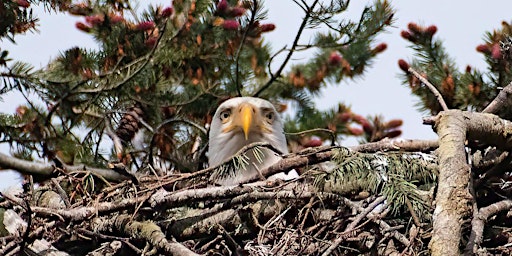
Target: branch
(350,227)
(397,145)
(382,224)
(46,169)
(452,201)
(487,128)
(478,224)
(240,47)
(431,87)
(146,230)
(273,77)
(86,212)
(501,101)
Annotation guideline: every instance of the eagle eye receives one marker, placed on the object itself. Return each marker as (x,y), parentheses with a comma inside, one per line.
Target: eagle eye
(270,116)
(224,115)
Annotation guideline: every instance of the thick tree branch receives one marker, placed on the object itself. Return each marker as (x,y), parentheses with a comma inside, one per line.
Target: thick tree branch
(46,169)
(397,145)
(453,198)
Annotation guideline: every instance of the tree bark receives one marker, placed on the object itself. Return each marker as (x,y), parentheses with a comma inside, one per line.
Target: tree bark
(453,197)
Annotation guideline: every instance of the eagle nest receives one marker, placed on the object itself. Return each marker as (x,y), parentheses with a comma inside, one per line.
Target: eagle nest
(357,203)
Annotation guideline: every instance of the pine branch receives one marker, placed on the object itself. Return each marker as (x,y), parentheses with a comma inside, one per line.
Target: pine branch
(277,74)
(242,43)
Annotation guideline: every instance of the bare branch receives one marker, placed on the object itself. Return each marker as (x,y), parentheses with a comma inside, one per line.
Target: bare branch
(46,169)
(478,224)
(396,145)
(274,76)
(431,87)
(452,201)
(501,101)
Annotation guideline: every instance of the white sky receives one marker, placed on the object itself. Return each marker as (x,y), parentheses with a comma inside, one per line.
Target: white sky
(461,25)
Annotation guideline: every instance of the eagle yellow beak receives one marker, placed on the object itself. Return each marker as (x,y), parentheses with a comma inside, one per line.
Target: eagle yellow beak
(246,116)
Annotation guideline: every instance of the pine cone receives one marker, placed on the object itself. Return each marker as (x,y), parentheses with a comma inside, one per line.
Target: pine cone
(129,124)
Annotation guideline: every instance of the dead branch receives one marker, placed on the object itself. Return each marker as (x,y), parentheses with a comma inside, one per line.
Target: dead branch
(431,87)
(353,224)
(46,169)
(453,198)
(146,230)
(81,213)
(501,101)
(397,145)
(385,227)
(478,224)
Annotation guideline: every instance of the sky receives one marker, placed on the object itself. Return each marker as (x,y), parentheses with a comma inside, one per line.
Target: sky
(461,25)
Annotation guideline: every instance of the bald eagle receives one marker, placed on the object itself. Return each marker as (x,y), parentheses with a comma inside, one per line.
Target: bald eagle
(239,122)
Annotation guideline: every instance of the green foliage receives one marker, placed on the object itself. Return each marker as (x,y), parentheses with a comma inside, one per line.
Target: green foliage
(177,64)
(463,89)
(395,175)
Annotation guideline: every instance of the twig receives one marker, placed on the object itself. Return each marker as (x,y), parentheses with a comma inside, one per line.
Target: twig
(106,237)
(365,213)
(385,227)
(431,87)
(273,77)
(415,218)
(61,192)
(329,131)
(242,42)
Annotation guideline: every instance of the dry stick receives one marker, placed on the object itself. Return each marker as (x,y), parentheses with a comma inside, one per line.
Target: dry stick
(377,219)
(36,168)
(500,101)
(478,224)
(364,213)
(431,87)
(354,223)
(396,145)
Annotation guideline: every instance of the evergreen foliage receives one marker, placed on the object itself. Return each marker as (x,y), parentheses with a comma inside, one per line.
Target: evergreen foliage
(395,175)
(467,89)
(143,102)
(176,64)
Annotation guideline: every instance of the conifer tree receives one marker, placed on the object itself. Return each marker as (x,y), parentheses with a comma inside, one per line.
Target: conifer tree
(112,141)
(165,72)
